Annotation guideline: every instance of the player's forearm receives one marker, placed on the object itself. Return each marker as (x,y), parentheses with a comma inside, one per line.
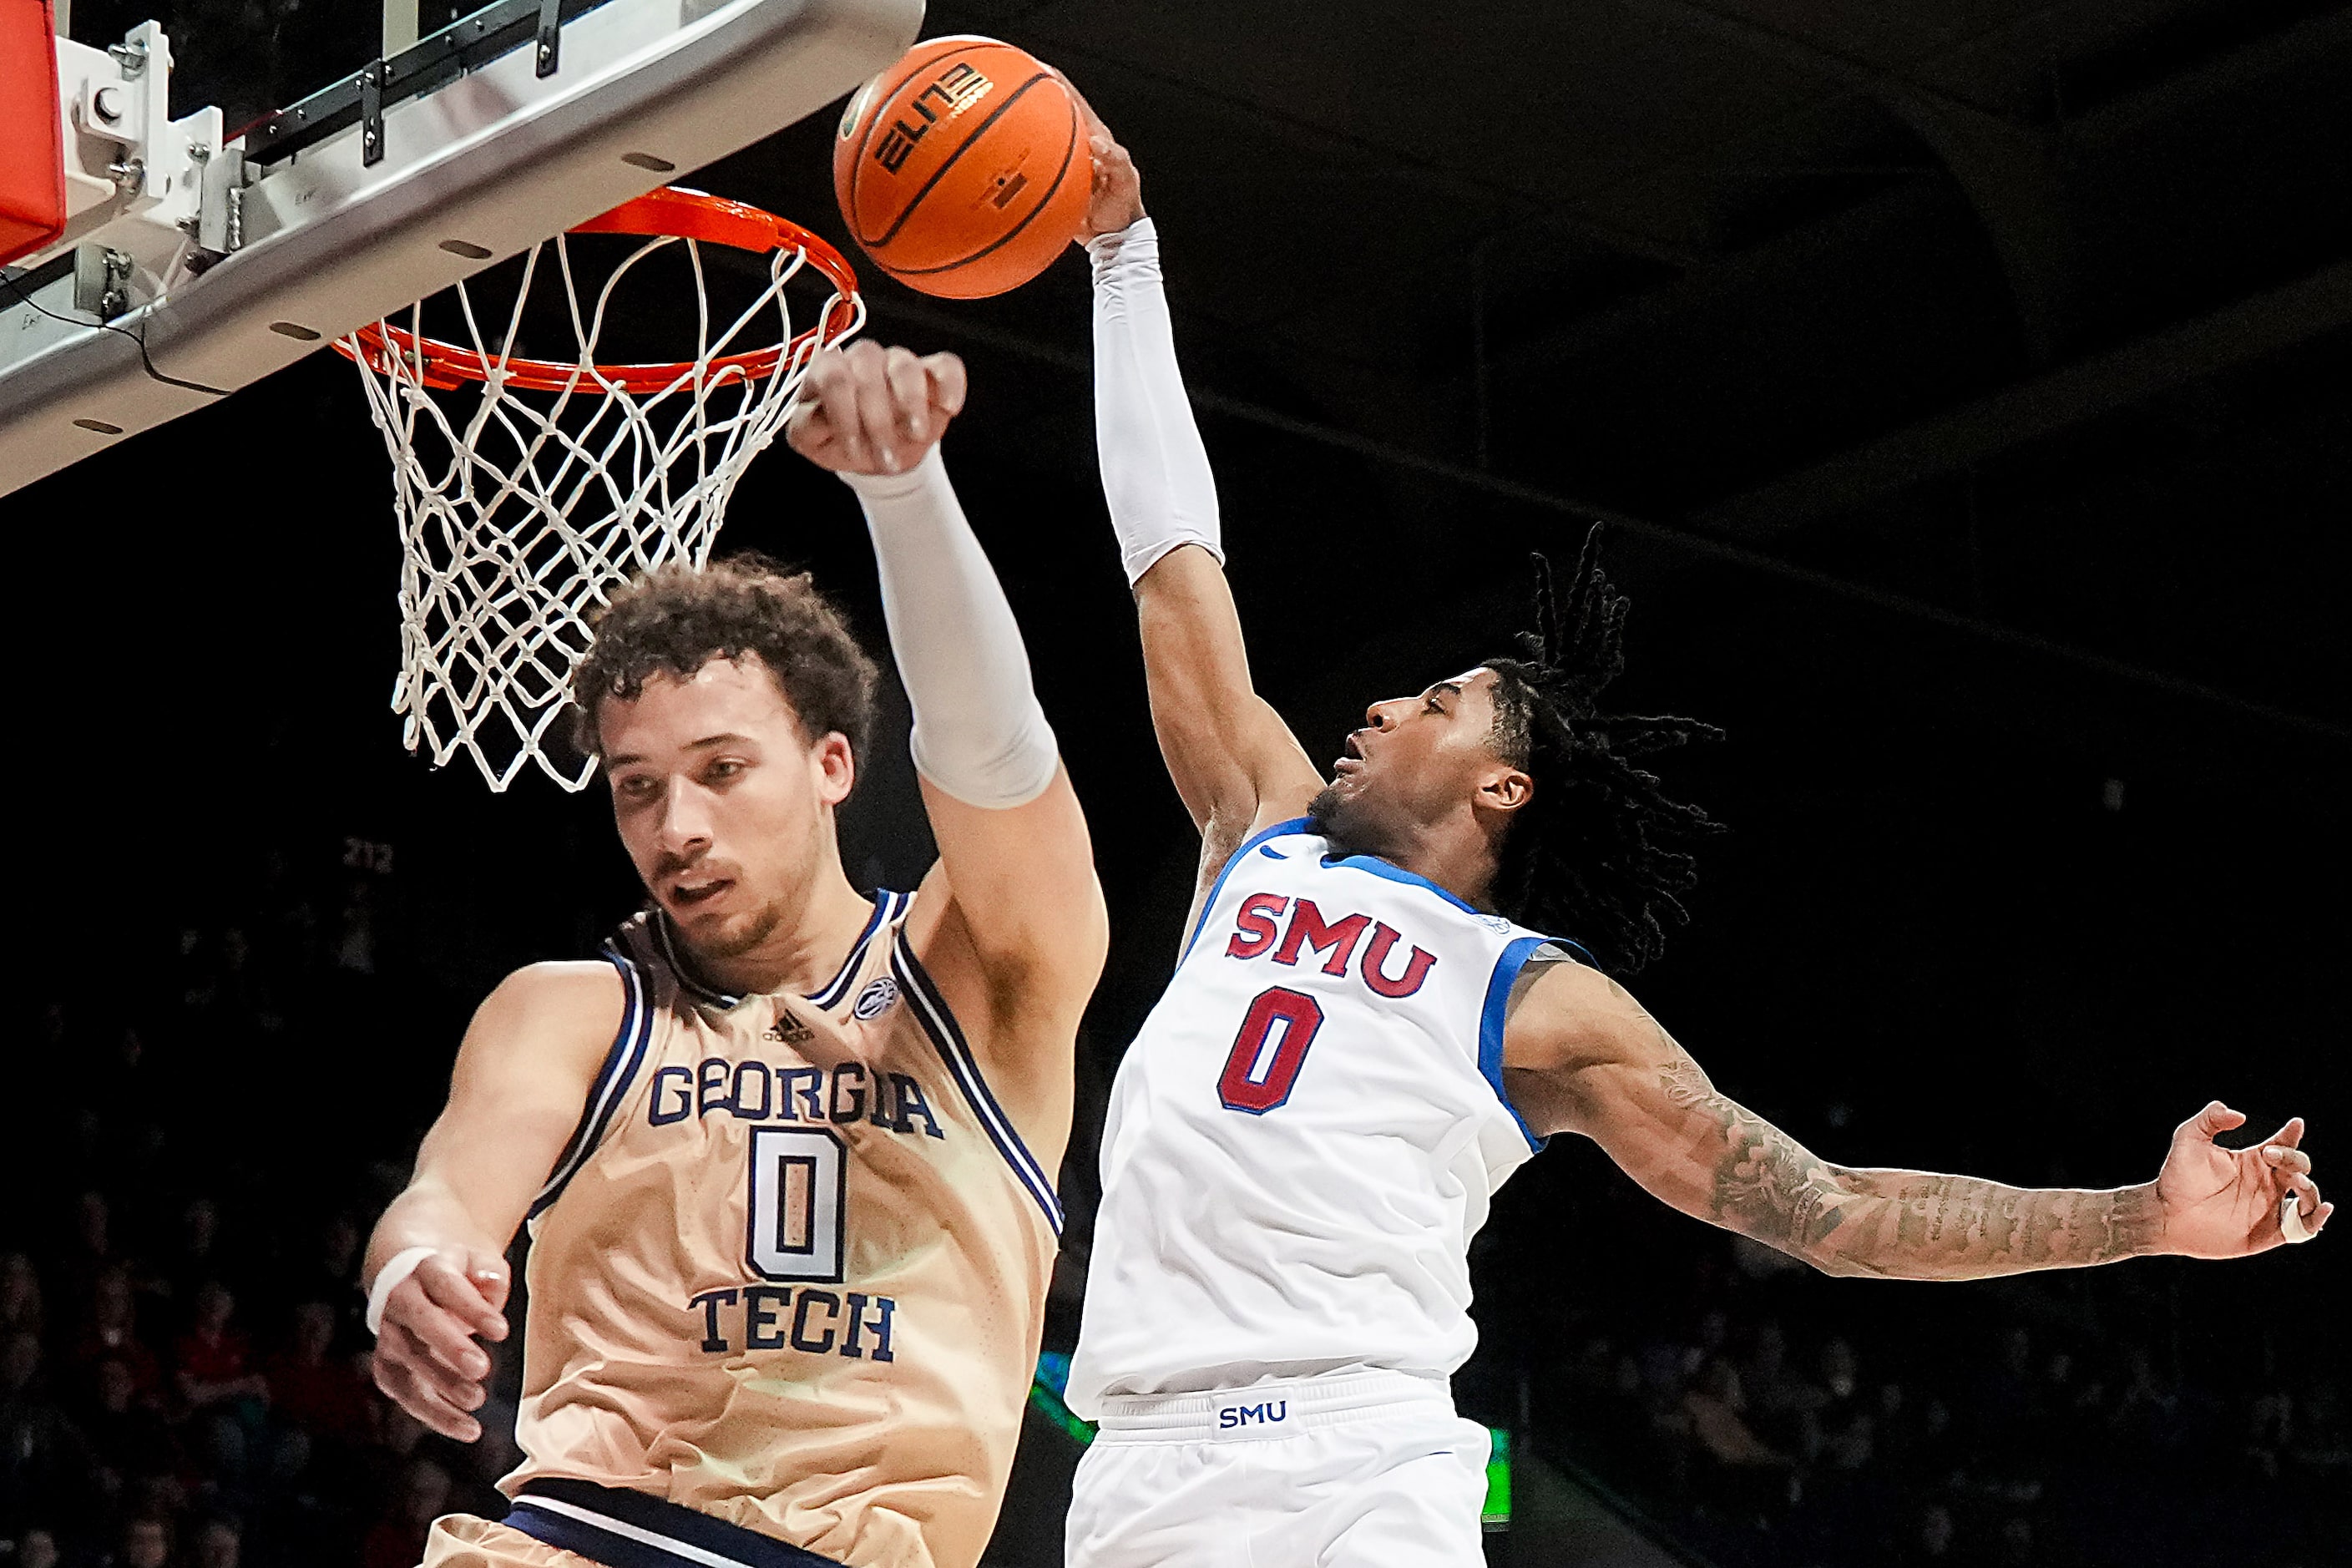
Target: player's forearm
(1899,1225)
(1204,709)
(1917,1225)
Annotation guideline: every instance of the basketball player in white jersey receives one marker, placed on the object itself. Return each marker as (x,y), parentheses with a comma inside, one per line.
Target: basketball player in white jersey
(1376,1018)
(786,1154)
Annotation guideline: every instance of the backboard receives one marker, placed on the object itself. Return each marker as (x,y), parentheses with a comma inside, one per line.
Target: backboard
(193,260)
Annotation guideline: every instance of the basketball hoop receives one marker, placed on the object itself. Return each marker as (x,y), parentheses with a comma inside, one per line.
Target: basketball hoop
(528,489)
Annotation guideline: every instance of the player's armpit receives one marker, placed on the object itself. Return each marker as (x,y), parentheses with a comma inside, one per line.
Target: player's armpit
(1234,760)
(1568,1025)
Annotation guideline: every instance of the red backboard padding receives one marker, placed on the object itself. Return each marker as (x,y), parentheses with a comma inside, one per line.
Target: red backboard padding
(32,157)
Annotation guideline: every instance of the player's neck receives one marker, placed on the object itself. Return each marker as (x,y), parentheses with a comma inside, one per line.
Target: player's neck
(1455,856)
(806,949)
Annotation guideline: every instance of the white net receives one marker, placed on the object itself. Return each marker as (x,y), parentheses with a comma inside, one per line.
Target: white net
(527,490)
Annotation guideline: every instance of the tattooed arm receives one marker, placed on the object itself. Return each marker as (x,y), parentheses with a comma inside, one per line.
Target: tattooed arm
(1581,1056)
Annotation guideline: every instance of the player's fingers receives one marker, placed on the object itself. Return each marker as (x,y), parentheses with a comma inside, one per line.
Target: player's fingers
(420,1399)
(832,383)
(1086,110)
(821,387)
(2301,1213)
(2211,1122)
(490,1277)
(420,1327)
(403,1356)
(813,427)
(2288,1136)
(811,431)
(872,429)
(447,1287)
(910,395)
(947,383)
(447,1334)
(2287,1158)
(1114,171)
(422,1376)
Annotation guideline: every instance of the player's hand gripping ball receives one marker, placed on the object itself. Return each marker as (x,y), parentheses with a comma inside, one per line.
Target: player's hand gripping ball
(963,169)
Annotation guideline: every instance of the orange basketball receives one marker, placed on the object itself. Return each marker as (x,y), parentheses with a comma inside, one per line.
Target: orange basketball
(963,170)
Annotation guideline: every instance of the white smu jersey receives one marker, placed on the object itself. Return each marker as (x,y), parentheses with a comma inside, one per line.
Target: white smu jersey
(1304,1137)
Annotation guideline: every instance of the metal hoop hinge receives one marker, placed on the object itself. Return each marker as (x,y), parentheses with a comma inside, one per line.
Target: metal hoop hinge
(372,114)
(550,36)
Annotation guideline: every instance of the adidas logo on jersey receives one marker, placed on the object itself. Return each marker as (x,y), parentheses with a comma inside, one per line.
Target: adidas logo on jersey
(788,1029)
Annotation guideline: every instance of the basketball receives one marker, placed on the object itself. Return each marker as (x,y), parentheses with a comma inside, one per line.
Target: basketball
(963,170)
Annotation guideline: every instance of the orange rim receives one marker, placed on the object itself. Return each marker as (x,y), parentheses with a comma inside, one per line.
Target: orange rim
(666,213)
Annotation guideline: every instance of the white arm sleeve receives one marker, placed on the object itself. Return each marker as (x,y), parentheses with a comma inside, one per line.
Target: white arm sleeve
(979,734)
(1155,471)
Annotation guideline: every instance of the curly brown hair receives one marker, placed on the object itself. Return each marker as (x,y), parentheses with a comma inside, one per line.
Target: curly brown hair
(677,618)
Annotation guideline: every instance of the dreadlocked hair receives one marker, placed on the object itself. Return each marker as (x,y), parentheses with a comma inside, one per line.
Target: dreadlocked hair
(1599,852)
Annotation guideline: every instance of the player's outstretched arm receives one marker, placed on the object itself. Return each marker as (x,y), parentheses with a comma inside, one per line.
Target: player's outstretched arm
(1234,760)
(437,1264)
(1012,923)
(1581,1056)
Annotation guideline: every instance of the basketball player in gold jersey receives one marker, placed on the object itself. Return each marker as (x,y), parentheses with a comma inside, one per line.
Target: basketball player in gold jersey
(786,1154)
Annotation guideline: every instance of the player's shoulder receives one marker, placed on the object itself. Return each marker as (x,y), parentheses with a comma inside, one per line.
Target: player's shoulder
(1561,1013)
(559,982)
(1386,887)
(557,1000)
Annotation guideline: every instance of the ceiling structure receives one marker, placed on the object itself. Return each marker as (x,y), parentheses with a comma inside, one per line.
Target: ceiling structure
(2010,316)
(1929,300)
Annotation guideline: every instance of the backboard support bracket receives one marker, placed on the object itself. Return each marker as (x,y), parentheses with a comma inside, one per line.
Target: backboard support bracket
(550,36)
(371,83)
(253,251)
(464,46)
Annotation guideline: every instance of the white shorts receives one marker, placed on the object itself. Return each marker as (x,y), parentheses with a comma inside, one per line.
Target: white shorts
(1367,1469)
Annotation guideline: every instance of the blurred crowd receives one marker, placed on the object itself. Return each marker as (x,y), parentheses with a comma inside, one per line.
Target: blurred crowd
(1759,1414)
(184,1374)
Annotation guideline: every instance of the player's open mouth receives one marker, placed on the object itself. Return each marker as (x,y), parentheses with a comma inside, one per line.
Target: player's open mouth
(688,895)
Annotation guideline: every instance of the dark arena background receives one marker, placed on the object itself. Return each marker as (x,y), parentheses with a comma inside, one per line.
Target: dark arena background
(1970,387)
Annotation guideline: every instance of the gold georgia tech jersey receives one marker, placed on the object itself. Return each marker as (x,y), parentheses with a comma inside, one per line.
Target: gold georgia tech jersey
(792,1270)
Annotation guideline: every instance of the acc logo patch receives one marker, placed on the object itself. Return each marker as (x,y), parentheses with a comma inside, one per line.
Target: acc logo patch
(875,1000)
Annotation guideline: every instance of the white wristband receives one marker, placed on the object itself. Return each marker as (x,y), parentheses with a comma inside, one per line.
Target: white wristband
(387,1281)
